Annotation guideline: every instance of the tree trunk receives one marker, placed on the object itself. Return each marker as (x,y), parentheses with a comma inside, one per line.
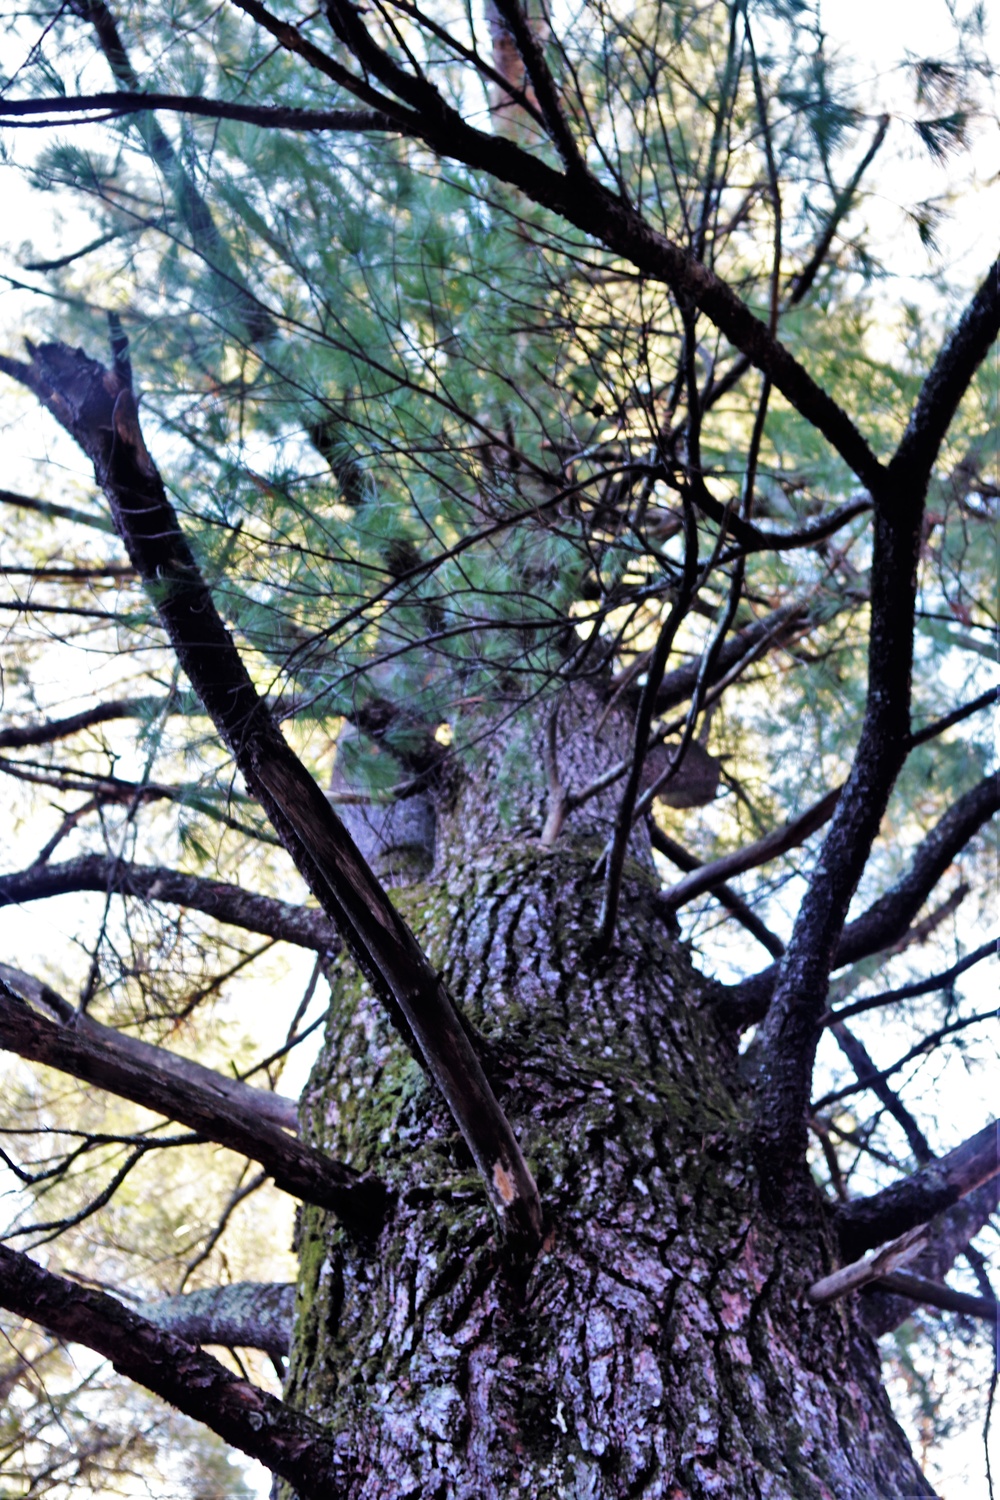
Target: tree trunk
(661,1344)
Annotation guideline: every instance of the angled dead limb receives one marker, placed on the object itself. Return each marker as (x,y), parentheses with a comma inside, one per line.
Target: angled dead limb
(950,1235)
(97,408)
(84,1050)
(286,1441)
(304,926)
(915,1199)
(882,1272)
(859,1273)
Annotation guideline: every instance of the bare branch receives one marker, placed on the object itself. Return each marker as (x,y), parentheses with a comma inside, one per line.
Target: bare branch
(869,1077)
(304,926)
(936,1294)
(55,511)
(245,1315)
(931,731)
(49,730)
(733,903)
(951,1235)
(916,1199)
(86,108)
(940,981)
(887,919)
(273,1108)
(81,1048)
(285,1440)
(790,836)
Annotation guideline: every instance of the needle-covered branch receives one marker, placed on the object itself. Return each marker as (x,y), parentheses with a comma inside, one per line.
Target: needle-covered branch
(191,1095)
(191,207)
(916,1199)
(97,407)
(583,201)
(284,1440)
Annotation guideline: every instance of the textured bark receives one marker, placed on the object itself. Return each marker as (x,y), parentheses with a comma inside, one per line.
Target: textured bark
(661,1345)
(246,1315)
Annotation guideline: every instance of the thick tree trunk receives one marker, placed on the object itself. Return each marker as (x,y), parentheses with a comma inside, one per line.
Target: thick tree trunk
(661,1344)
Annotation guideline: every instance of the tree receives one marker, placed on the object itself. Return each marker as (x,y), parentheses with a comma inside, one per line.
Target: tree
(496,400)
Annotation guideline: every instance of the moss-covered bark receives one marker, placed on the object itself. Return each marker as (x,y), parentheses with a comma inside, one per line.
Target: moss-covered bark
(661,1345)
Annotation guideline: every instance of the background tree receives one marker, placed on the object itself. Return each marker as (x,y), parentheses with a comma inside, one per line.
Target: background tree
(501,494)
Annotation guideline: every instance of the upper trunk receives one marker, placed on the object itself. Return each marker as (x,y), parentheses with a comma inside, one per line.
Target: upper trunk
(661,1344)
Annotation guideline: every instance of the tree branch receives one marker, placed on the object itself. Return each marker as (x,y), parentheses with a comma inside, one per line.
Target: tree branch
(915,1199)
(114,105)
(733,903)
(245,1315)
(869,1077)
(940,981)
(938,726)
(584,202)
(888,918)
(777,627)
(773,844)
(304,926)
(950,1236)
(948,380)
(83,1049)
(49,730)
(191,207)
(286,1441)
(118,1045)
(935,1294)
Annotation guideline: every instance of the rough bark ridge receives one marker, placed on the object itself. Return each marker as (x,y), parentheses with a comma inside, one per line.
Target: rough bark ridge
(661,1345)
